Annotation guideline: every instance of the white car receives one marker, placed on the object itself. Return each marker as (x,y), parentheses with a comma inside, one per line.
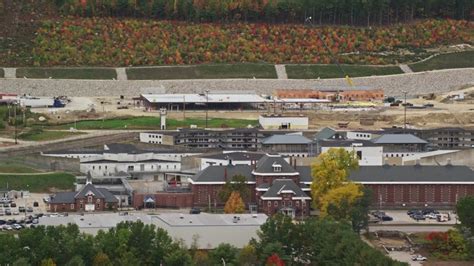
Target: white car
(15,212)
(418,258)
(7,227)
(431,216)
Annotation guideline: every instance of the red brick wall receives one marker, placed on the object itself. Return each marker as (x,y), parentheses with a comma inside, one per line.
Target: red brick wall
(201,194)
(269,179)
(443,195)
(64,207)
(165,200)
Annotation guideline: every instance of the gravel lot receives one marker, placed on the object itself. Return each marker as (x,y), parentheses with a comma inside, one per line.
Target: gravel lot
(415,83)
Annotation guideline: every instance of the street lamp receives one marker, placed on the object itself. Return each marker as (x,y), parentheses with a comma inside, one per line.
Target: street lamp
(207,105)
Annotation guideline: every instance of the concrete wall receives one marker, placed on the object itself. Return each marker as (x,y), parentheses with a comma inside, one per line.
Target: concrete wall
(370,155)
(462,157)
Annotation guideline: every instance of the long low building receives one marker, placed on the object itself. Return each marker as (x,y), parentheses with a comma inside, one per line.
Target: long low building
(209,230)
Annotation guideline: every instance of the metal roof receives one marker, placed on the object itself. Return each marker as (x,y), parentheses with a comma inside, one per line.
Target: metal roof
(286,139)
(201,98)
(266,165)
(399,139)
(236,156)
(325,133)
(348,143)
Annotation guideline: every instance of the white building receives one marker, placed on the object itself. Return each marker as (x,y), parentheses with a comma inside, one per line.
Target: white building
(367,152)
(359,135)
(283,122)
(230,157)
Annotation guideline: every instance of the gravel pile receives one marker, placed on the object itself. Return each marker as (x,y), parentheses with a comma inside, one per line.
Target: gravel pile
(414,83)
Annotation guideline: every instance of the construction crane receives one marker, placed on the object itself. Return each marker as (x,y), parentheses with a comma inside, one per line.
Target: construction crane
(308,21)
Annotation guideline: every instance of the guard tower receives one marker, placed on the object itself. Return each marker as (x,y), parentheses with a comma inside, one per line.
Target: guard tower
(162,118)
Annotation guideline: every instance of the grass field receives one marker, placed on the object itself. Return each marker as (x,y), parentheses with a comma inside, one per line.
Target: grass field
(446,61)
(332,71)
(47,135)
(146,122)
(203,72)
(38,182)
(6,167)
(66,73)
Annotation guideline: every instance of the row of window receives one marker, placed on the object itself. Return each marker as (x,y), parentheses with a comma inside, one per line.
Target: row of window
(154,136)
(286,203)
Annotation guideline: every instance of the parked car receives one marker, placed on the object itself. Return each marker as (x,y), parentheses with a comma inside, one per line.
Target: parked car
(431,216)
(17,226)
(418,217)
(2,222)
(34,221)
(7,227)
(35,204)
(15,212)
(2,212)
(378,214)
(6,205)
(21,209)
(13,204)
(429,210)
(418,258)
(29,209)
(443,217)
(46,199)
(412,211)
(386,218)
(8,212)
(195,211)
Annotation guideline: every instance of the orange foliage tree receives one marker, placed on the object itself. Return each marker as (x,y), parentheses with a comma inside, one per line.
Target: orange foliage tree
(234,204)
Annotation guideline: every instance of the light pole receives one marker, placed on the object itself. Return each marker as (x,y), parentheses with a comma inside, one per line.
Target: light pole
(207,105)
(405,111)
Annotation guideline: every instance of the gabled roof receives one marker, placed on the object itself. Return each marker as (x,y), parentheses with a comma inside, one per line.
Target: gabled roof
(305,173)
(286,139)
(268,162)
(284,186)
(398,139)
(412,174)
(217,174)
(325,133)
(99,193)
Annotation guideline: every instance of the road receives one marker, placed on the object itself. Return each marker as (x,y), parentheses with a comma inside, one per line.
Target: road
(411,228)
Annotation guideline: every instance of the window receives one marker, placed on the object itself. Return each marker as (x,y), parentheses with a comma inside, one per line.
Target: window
(72,206)
(98,200)
(304,203)
(359,155)
(175,166)
(275,204)
(290,203)
(89,199)
(100,167)
(93,167)
(130,168)
(297,204)
(269,204)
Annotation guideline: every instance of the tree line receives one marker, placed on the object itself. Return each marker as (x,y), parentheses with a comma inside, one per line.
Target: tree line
(281,242)
(344,12)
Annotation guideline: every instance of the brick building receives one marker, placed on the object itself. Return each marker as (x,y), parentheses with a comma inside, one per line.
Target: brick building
(88,198)
(332,94)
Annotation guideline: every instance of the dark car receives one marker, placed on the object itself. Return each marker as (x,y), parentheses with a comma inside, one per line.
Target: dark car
(2,222)
(29,209)
(21,209)
(13,204)
(378,214)
(195,211)
(8,212)
(418,217)
(428,211)
(386,218)
(35,204)
(412,211)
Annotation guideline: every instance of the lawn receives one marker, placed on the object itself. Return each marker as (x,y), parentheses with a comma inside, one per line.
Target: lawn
(66,73)
(47,135)
(7,167)
(332,71)
(147,122)
(38,182)
(203,72)
(446,61)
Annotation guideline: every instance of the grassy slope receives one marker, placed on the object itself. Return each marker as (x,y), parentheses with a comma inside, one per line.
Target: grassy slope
(6,167)
(154,123)
(67,73)
(446,61)
(48,135)
(332,71)
(38,183)
(203,72)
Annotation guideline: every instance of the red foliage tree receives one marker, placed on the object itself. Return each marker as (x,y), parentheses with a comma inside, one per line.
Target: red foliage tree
(274,260)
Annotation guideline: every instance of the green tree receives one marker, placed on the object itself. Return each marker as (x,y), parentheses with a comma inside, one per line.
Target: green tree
(76,261)
(101,259)
(248,256)
(21,262)
(237,183)
(225,252)
(178,257)
(465,212)
(360,212)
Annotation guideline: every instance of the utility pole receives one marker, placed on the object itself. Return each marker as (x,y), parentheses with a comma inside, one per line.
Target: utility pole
(16,137)
(405,112)
(184,107)
(207,105)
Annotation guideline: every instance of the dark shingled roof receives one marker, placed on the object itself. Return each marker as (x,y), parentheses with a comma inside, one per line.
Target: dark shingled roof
(347,143)
(265,164)
(305,173)
(281,186)
(415,173)
(325,133)
(63,197)
(216,173)
(101,193)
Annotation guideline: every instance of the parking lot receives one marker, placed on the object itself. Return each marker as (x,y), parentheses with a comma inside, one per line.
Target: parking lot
(21,210)
(401,217)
